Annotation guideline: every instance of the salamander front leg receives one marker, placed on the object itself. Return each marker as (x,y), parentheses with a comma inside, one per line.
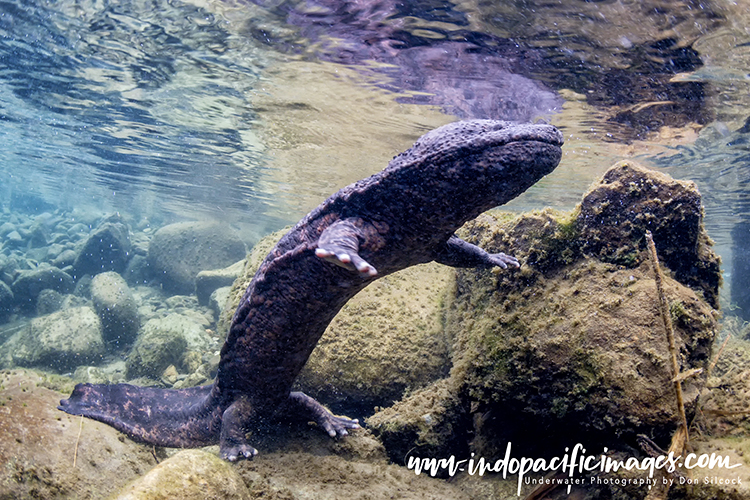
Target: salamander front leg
(334,425)
(458,253)
(339,244)
(233,444)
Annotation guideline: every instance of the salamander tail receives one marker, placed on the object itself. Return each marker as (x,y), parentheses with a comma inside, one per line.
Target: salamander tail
(163,417)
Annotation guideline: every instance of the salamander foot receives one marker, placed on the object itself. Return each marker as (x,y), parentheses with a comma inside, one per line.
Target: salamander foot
(334,425)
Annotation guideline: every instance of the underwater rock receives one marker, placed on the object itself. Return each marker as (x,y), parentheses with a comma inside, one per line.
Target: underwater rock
(106,249)
(6,301)
(13,240)
(163,342)
(570,348)
(90,375)
(39,445)
(64,259)
(49,301)
(188,475)
(219,298)
(429,422)
(30,283)
(138,271)
(62,340)
(116,307)
(208,281)
(178,252)
(630,200)
(39,235)
(387,339)
(6,228)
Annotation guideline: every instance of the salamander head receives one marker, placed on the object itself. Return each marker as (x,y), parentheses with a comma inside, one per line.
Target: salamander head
(494,160)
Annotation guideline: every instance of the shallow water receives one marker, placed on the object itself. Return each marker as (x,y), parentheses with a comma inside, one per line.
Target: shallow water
(250,113)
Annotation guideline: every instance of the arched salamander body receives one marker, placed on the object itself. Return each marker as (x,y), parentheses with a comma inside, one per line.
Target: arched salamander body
(404,215)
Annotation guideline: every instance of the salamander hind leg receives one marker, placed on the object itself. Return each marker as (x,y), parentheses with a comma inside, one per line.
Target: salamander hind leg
(233,444)
(339,243)
(334,425)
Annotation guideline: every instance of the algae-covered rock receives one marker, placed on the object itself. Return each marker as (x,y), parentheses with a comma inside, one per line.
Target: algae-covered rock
(630,200)
(188,475)
(62,340)
(307,464)
(386,339)
(582,349)
(179,251)
(429,422)
(167,341)
(47,454)
(49,301)
(160,343)
(116,307)
(571,347)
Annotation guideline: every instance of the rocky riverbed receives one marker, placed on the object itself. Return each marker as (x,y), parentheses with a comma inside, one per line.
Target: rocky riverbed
(105,300)
(568,349)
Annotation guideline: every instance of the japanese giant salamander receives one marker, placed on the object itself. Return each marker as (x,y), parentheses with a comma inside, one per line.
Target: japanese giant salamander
(402,216)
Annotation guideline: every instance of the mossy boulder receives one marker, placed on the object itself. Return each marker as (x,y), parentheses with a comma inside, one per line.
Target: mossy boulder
(630,200)
(160,343)
(62,340)
(433,421)
(48,454)
(582,349)
(571,347)
(189,474)
(388,338)
(116,307)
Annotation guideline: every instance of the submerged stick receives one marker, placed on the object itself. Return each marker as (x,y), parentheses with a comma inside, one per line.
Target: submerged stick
(75,452)
(665,316)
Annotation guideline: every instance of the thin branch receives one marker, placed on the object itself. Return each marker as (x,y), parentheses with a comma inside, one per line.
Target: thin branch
(666,317)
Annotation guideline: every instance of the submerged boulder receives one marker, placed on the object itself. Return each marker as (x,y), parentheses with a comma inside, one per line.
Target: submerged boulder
(178,252)
(630,200)
(48,454)
(106,249)
(166,341)
(571,347)
(62,340)
(30,283)
(116,307)
(208,281)
(189,474)
(6,301)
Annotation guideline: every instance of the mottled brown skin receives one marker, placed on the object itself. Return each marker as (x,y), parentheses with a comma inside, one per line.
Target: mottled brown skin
(402,216)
